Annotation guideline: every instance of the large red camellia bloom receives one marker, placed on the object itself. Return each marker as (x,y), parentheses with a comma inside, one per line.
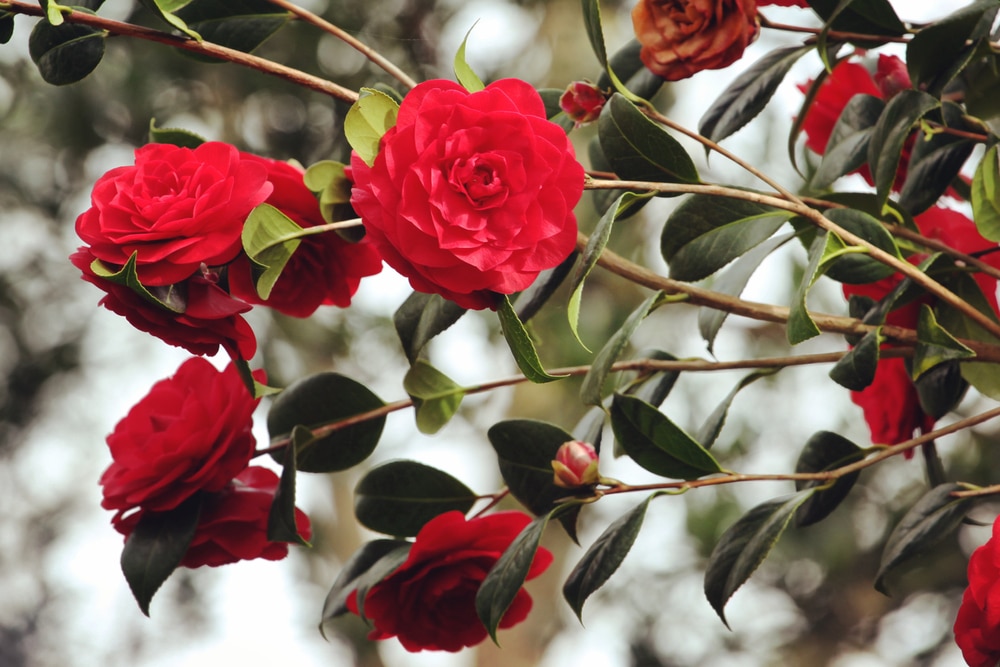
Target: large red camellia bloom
(428,603)
(471,194)
(232,525)
(680,38)
(324,270)
(190,433)
(890,404)
(977,627)
(176,208)
(210,317)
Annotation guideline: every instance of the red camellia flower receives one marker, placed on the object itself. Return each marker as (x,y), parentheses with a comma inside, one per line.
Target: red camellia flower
(845,81)
(190,433)
(582,101)
(890,404)
(575,465)
(977,627)
(324,270)
(680,38)
(176,208)
(428,603)
(471,194)
(211,317)
(232,525)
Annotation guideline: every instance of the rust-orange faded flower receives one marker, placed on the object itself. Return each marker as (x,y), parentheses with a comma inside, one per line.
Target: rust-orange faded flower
(680,38)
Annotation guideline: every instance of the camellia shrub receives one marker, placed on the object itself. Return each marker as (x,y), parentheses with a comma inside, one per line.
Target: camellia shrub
(471,191)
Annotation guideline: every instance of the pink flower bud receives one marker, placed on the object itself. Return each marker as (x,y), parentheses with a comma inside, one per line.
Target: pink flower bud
(582,102)
(575,465)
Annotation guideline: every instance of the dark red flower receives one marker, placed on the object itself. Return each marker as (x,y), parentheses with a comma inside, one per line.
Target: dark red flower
(471,194)
(324,270)
(977,626)
(582,101)
(190,433)
(428,603)
(176,208)
(680,38)
(232,525)
(210,317)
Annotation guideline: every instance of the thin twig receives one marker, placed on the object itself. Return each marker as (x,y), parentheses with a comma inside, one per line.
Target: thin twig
(834,35)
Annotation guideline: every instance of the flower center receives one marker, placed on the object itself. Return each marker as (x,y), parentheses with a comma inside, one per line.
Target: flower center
(479,179)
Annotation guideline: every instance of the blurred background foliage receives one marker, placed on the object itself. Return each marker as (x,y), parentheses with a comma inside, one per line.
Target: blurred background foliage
(812,602)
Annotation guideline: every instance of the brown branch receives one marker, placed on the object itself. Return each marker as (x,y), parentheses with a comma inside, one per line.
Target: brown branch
(200,47)
(836,35)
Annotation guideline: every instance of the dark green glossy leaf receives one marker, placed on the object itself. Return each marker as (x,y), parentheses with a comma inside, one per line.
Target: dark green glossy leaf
(595,33)
(872,17)
(379,570)
(656,443)
(935,162)
(631,71)
(707,232)
(281,525)
(901,114)
(935,345)
(363,560)
(399,497)
(856,369)
(322,399)
(941,389)
(508,575)
(936,515)
(593,381)
(6,27)
(940,50)
(749,93)
(982,87)
(242,25)
(744,546)
(65,53)
(174,136)
(981,376)
(531,300)
(157,546)
(420,318)
(825,451)
(639,149)
(847,148)
(732,281)
(435,396)
(656,386)
(801,326)
(710,430)
(165,11)
(521,345)
(604,557)
(525,449)
(986,196)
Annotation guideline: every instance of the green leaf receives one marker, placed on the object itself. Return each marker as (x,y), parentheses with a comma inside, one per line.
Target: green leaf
(749,93)
(436,397)
(981,376)
(593,381)
(508,575)
(936,515)
(6,27)
(871,17)
(934,344)
(399,497)
(986,196)
(269,238)
(170,297)
(603,557)
(706,232)
(847,148)
(532,298)
(367,120)
(732,281)
(856,369)
(936,160)
(173,136)
(422,317)
(281,526)
(639,149)
(710,430)
(656,443)
(825,451)
(164,10)
(595,33)
(65,53)
(598,240)
(242,25)
(53,12)
(940,50)
(382,568)
(857,267)
(800,324)
(364,559)
(901,114)
(745,545)
(520,344)
(156,547)
(525,449)
(465,74)
(631,72)
(656,386)
(941,389)
(320,399)
(328,179)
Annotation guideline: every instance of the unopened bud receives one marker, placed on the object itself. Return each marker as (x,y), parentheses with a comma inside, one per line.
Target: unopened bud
(575,465)
(582,101)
